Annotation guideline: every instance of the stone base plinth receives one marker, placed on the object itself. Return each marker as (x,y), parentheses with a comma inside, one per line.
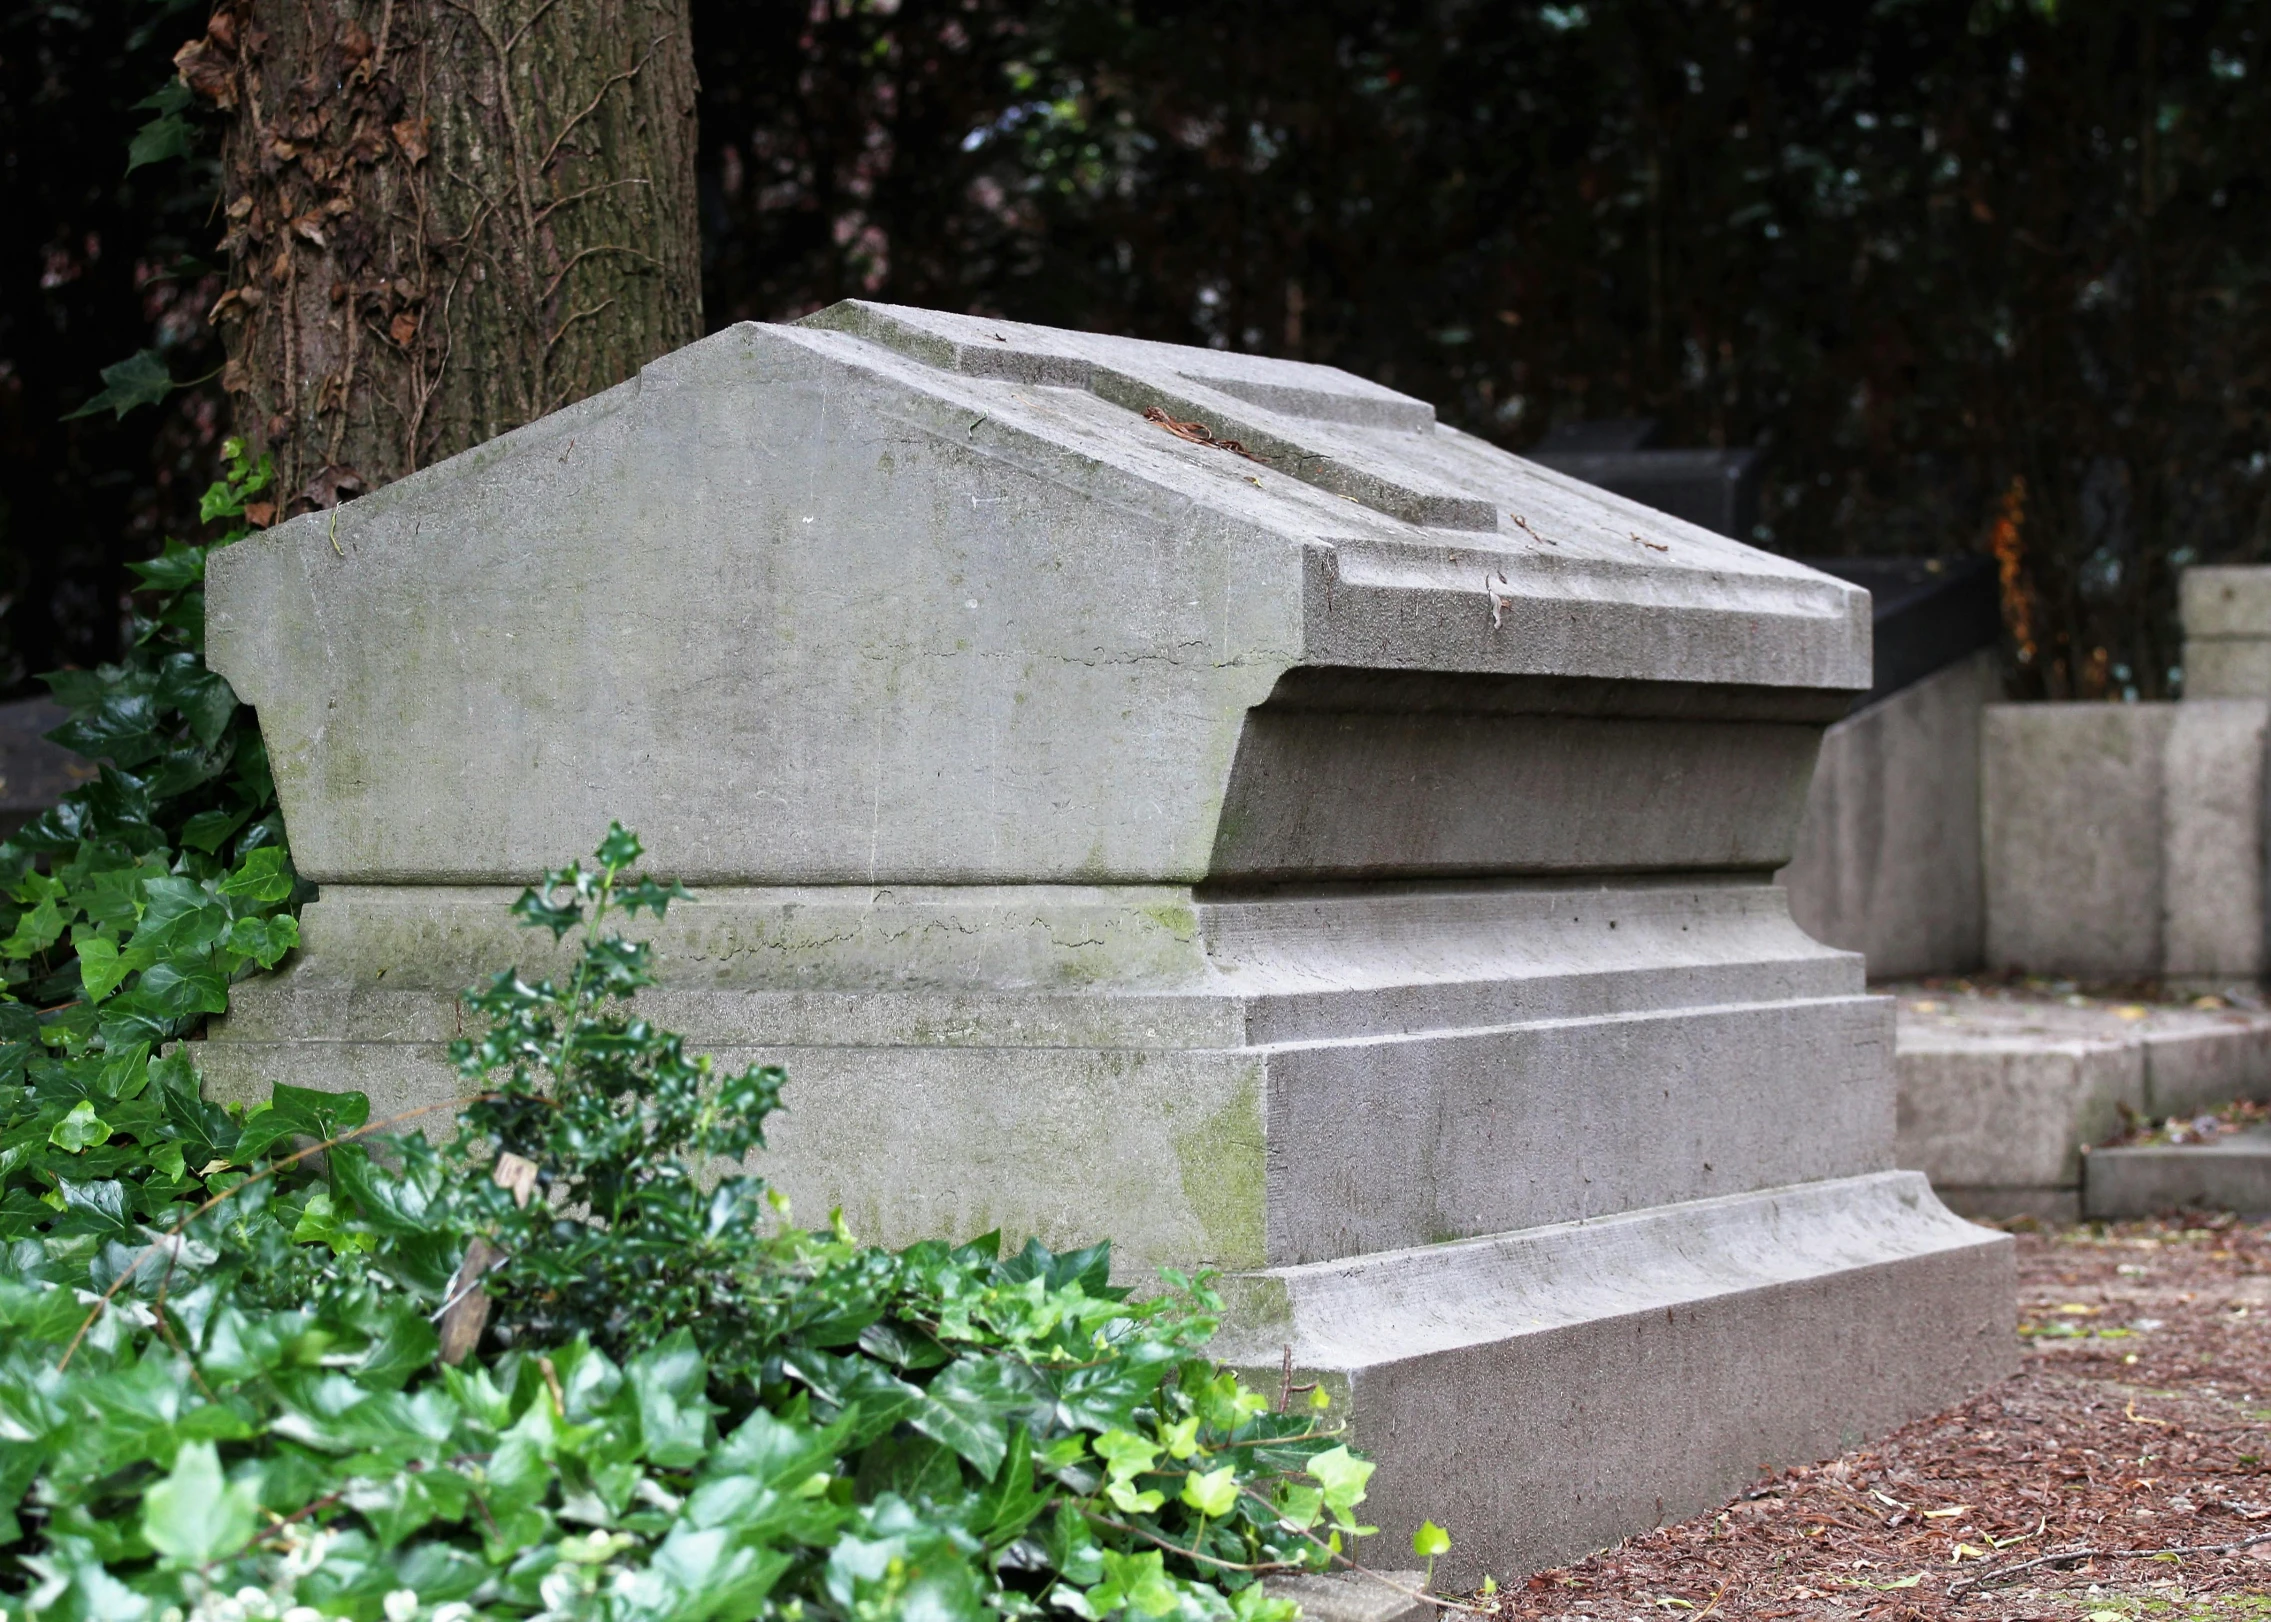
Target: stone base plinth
(1577,1195)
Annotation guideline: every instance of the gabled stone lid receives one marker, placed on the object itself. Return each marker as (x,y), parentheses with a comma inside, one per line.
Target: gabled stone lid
(895,596)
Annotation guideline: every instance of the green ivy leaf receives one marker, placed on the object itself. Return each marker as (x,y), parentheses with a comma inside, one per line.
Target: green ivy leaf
(674,1414)
(176,567)
(299,1112)
(140,379)
(1213,1493)
(81,1129)
(1430,1540)
(1137,1581)
(102,967)
(196,1515)
(172,989)
(34,933)
(259,877)
(1343,1476)
(167,136)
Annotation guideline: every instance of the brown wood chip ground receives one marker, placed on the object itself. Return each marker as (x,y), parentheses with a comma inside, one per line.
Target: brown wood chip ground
(2141,1419)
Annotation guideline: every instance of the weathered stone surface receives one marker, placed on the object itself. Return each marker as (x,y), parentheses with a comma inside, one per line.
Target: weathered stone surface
(1887,860)
(1357,1596)
(1642,1367)
(1988,1110)
(2071,836)
(2227,631)
(2231,1174)
(1023,628)
(2126,840)
(2212,832)
(2000,1095)
(1351,856)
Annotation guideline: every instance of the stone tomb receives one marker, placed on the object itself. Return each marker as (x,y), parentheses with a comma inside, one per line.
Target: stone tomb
(1345,864)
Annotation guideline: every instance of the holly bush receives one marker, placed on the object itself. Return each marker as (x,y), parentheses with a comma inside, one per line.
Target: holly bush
(224,1394)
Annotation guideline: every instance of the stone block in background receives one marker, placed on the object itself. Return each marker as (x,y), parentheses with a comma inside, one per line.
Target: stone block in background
(1888,861)
(2212,833)
(2230,1174)
(2125,841)
(1925,615)
(2071,837)
(1714,488)
(1344,860)
(34,773)
(2000,1093)
(2226,612)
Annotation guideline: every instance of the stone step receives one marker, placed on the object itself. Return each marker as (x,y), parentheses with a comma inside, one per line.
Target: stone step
(2001,1091)
(1540,1393)
(2229,1174)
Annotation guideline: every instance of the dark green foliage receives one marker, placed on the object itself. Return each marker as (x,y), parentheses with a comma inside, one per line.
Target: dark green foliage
(126,910)
(125,914)
(97,264)
(687,1408)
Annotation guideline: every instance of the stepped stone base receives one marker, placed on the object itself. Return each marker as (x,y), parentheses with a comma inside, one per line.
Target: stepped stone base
(1999,1095)
(2231,1174)
(1574,1193)
(1569,1385)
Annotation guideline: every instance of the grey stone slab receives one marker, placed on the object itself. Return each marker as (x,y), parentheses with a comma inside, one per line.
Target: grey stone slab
(2012,1109)
(1887,860)
(2047,1207)
(2071,836)
(2212,831)
(1640,1368)
(2195,1064)
(1389,1596)
(2230,1174)
(1999,1095)
(35,773)
(2227,667)
(2225,600)
(1587,1036)
(2226,612)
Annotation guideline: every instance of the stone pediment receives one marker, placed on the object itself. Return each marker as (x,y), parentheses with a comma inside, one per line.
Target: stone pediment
(892,595)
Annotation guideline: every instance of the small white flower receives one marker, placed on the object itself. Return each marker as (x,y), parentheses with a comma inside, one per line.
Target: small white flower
(455,1611)
(303,1613)
(401,1605)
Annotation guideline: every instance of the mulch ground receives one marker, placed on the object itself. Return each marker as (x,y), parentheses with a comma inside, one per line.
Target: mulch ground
(2140,1421)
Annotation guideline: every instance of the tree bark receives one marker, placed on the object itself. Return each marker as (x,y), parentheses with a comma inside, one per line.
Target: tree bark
(444,218)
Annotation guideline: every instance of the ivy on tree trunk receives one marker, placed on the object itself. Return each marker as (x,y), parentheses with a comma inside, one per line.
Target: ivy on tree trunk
(443,219)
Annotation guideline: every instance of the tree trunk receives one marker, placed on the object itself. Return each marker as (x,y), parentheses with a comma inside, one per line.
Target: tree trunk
(444,218)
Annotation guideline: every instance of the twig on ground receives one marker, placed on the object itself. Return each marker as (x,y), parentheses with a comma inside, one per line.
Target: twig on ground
(1981,1579)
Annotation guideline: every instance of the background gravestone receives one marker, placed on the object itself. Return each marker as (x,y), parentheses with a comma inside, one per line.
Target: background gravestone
(1343,859)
